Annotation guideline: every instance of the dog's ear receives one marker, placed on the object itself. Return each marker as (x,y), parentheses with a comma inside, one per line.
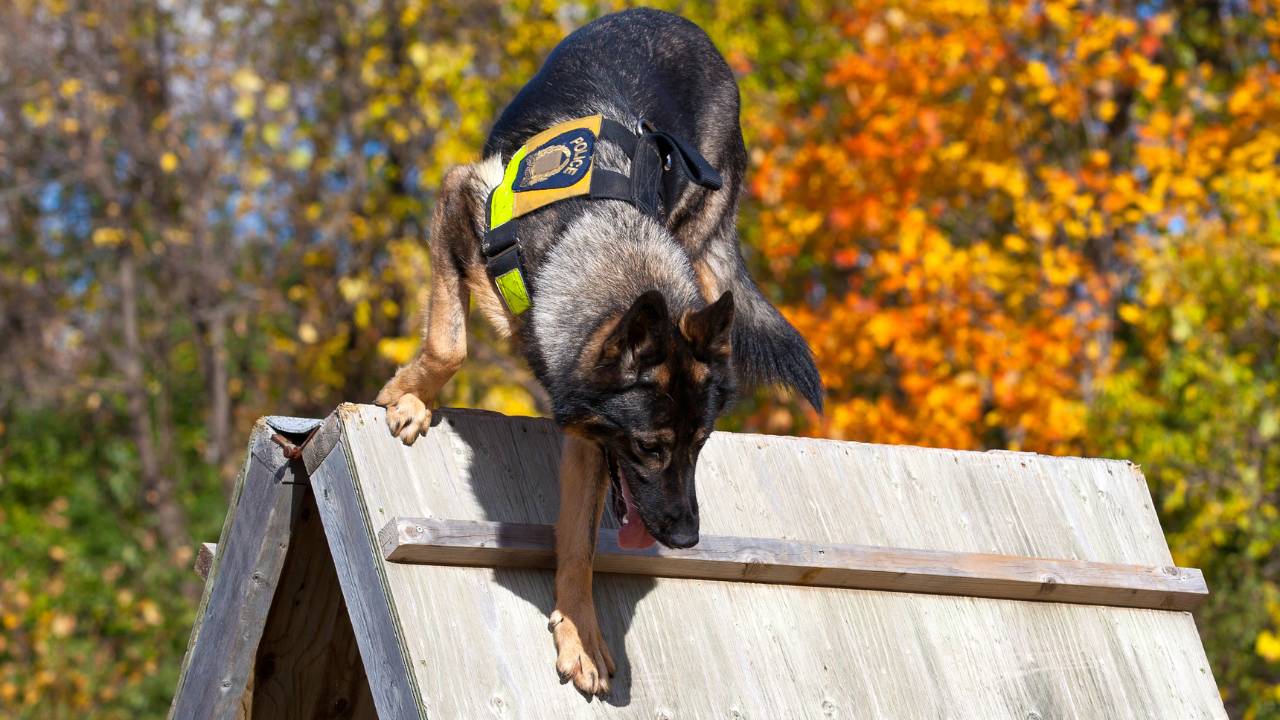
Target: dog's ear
(636,343)
(709,330)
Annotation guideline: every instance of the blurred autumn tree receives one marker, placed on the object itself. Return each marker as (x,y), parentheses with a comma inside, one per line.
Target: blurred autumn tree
(1053,226)
(1047,226)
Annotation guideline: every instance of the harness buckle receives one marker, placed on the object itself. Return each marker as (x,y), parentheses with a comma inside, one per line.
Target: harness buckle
(507,272)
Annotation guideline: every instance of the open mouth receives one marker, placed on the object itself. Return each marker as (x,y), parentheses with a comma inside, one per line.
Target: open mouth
(632,534)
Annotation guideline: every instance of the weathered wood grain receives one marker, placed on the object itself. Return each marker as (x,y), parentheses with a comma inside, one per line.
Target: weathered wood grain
(242,582)
(475,543)
(478,645)
(484,466)
(370,605)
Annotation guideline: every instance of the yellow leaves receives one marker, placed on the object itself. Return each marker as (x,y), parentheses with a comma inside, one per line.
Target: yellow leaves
(1243,99)
(38,113)
(398,132)
(398,350)
(70,88)
(379,107)
(62,625)
(107,236)
(168,162)
(353,289)
(1130,313)
(418,54)
(257,176)
(299,160)
(1060,266)
(1268,428)
(1038,74)
(307,333)
(1186,187)
(954,151)
(277,97)
(369,66)
(272,134)
(508,400)
(247,81)
(881,328)
(1059,13)
(1041,228)
(1014,244)
(243,107)
(1008,177)
(410,14)
(1267,646)
(248,84)
(150,612)
(1151,77)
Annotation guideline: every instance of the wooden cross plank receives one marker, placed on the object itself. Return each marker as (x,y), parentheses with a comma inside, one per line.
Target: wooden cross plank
(493,544)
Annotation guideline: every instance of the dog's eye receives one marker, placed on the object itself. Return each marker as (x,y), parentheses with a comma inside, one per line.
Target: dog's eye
(649,447)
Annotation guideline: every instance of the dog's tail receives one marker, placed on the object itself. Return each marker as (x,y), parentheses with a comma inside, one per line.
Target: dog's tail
(767,350)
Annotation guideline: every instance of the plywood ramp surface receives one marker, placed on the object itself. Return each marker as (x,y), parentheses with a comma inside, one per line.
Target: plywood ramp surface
(477,643)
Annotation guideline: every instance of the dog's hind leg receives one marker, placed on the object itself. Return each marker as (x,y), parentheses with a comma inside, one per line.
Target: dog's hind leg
(582,655)
(408,395)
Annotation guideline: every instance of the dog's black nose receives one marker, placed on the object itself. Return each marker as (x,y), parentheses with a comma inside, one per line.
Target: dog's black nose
(682,540)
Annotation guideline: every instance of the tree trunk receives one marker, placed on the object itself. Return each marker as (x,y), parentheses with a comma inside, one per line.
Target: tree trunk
(219,418)
(157,486)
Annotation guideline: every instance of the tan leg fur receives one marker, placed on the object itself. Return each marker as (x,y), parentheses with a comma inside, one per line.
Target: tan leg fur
(582,655)
(444,332)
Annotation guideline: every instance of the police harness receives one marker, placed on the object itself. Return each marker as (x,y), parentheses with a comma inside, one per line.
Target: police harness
(559,163)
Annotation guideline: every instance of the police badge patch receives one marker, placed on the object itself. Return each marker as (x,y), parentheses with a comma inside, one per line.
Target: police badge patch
(557,163)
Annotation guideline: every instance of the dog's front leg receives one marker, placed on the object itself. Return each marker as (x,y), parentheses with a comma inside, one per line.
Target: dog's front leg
(582,655)
(408,395)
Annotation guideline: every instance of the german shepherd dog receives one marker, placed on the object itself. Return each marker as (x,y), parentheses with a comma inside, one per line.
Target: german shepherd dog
(641,328)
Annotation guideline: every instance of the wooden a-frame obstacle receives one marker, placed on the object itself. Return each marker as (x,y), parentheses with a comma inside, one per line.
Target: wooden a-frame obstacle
(358,578)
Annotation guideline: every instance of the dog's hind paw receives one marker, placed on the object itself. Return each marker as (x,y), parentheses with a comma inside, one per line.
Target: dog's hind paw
(581,653)
(408,418)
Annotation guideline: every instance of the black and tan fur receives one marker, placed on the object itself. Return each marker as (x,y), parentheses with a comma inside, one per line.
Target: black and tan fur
(640,331)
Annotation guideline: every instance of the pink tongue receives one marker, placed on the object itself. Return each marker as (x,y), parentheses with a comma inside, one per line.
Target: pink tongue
(632,535)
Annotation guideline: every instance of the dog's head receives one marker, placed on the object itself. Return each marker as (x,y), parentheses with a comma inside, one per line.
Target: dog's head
(653,387)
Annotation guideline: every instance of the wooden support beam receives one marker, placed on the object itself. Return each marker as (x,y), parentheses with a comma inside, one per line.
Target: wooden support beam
(492,544)
(242,581)
(362,579)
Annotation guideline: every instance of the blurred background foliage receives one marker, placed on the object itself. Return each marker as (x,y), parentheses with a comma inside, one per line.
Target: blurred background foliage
(1041,225)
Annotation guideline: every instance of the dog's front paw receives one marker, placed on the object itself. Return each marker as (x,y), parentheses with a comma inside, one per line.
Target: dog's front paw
(581,653)
(407,417)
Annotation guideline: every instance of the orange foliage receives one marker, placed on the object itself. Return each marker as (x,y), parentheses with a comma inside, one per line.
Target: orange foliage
(954,205)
